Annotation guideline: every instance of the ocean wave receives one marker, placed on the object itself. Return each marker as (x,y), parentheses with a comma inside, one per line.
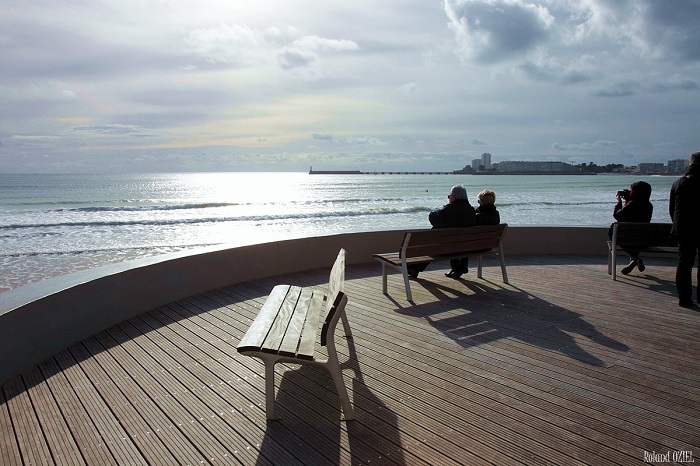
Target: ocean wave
(149,206)
(146,208)
(150,249)
(242,218)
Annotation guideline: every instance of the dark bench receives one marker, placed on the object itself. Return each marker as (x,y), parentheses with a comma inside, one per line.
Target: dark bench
(422,246)
(650,239)
(287,330)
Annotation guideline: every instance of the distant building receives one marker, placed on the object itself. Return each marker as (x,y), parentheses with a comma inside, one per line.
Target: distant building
(536,167)
(678,165)
(476,164)
(486,160)
(651,168)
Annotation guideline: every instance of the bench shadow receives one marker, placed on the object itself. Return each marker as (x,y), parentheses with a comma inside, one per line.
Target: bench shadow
(488,315)
(308,403)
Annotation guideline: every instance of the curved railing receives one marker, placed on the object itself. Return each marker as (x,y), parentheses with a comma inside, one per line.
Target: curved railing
(41,319)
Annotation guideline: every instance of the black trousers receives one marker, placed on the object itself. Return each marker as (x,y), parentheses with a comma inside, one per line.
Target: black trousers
(459,265)
(687,249)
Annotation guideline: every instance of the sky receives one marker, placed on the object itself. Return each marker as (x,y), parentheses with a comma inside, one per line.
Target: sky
(283,85)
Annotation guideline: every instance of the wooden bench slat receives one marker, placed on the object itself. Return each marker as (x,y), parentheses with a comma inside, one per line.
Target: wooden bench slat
(259,329)
(280,323)
(307,345)
(295,331)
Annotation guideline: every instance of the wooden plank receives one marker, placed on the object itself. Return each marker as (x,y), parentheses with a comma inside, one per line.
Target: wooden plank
(130,407)
(95,426)
(27,428)
(55,430)
(9,449)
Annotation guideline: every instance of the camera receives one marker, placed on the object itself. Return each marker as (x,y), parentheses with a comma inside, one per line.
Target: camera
(624,194)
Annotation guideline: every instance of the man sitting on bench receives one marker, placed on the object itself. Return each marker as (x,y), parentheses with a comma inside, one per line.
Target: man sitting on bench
(457,213)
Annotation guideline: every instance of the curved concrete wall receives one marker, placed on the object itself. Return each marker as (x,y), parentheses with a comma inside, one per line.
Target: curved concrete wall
(40,319)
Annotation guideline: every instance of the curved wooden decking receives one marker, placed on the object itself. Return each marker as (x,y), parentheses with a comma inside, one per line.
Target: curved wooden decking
(561,366)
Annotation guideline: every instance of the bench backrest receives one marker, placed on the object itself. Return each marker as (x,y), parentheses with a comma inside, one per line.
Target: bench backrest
(642,235)
(335,299)
(446,241)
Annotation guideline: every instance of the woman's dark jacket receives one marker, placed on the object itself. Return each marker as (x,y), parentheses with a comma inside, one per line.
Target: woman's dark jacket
(459,213)
(634,211)
(684,204)
(487,215)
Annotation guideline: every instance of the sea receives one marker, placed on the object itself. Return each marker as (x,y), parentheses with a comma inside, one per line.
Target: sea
(55,224)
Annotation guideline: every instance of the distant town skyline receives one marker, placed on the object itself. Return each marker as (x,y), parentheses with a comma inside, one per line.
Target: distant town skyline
(146,86)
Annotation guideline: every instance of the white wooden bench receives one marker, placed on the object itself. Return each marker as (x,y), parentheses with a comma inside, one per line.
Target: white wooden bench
(287,330)
(650,239)
(422,246)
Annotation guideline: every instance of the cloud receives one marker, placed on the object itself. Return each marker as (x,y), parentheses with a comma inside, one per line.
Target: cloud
(671,28)
(675,82)
(238,45)
(169,84)
(496,30)
(352,141)
(623,89)
(587,147)
(231,44)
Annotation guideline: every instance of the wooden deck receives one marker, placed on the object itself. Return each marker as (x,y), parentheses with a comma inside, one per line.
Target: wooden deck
(563,366)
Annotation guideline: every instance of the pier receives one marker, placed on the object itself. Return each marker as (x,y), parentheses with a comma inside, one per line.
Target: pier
(358,172)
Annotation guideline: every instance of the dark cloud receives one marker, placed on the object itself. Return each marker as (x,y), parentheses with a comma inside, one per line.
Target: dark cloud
(496,30)
(673,26)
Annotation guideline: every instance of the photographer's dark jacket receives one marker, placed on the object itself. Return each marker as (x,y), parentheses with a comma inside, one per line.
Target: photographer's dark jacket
(634,211)
(487,215)
(459,213)
(684,205)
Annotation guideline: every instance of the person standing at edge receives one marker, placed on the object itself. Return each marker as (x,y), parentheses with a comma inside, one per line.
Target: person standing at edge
(684,207)
(636,208)
(457,213)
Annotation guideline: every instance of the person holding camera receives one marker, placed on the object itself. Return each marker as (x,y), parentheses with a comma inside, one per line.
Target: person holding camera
(636,208)
(684,207)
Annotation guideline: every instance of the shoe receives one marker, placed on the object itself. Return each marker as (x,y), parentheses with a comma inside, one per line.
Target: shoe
(640,265)
(629,267)
(685,303)
(453,274)
(413,273)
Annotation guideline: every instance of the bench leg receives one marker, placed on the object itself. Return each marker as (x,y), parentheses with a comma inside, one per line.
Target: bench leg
(479,261)
(384,272)
(504,272)
(270,389)
(333,367)
(406,282)
(346,325)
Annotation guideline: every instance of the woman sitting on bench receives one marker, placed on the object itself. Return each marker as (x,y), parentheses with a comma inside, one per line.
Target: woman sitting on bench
(636,208)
